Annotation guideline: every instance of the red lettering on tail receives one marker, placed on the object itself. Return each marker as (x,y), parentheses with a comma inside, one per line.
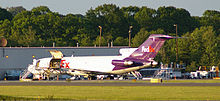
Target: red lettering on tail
(147,49)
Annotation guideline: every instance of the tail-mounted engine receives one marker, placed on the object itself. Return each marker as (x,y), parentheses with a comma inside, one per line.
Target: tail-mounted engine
(153,63)
(126,63)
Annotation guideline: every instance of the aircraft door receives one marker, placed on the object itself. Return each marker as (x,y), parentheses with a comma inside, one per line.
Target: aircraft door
(56,59)
(55,63)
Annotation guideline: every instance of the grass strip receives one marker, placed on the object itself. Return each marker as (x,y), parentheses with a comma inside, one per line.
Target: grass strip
(112,92)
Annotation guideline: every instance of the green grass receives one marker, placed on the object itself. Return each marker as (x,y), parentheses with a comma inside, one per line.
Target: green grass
(111,92)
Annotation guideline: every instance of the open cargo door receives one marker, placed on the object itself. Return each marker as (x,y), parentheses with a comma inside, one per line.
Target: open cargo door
(56,59)
(56,54)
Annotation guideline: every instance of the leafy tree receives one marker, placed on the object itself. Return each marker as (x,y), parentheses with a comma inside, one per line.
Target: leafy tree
(158,31)
(49,28)
(200,48)
(210,46)
(28,38)
(184,49)
(103,41)
(15,10)
(120,41)
(218,51)
(211,18)
(43,25)
(83,40)
(14,37)
(41,10)
(196,47)
(166,17)
(145,17)
(4,14)
(5,28)
(142,35)
(22,15)
(73,25)
(192,67)
(110,17)
(129,13)
(169,54)
(20,25)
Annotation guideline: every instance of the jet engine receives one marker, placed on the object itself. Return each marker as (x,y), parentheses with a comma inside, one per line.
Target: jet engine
(153,63)
(126,63)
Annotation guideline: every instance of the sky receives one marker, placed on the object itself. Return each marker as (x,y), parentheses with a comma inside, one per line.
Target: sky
(195,7)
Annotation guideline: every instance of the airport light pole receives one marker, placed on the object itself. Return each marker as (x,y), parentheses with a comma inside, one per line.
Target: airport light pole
(100,28)
(176,46)
(130,36)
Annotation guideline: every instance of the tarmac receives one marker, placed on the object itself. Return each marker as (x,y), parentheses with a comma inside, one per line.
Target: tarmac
(97,83)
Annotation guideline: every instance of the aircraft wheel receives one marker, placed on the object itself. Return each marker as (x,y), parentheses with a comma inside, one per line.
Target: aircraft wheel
(92,78)
(110,78)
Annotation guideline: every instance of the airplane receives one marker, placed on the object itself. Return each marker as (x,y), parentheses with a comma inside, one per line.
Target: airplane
(132,59)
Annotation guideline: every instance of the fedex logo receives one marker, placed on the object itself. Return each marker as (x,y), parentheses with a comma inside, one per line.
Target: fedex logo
(64,64)
(147,49)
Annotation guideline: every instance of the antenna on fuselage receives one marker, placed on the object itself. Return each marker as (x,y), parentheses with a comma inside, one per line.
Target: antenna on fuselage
(72,54)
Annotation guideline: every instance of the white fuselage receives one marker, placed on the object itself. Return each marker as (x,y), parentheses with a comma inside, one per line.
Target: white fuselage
(85,64)
(91,63)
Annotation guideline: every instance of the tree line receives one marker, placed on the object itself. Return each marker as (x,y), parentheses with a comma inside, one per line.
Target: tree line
(42,27)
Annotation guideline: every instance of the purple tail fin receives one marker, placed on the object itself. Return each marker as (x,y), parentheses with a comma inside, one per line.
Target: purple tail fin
(149,49)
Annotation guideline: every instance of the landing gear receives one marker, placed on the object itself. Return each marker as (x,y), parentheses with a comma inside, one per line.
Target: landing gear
(92,77)
(109,77)
(136,74)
